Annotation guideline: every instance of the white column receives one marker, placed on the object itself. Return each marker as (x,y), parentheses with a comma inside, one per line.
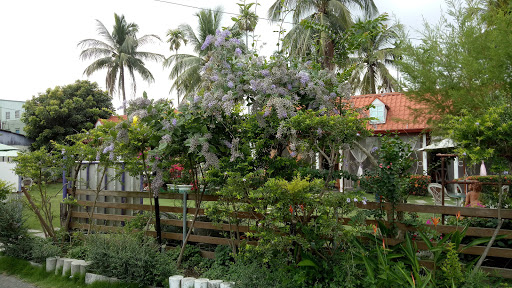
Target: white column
(317,158)
(424,154)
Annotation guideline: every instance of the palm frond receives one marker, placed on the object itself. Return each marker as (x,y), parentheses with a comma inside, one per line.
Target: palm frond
(95,53)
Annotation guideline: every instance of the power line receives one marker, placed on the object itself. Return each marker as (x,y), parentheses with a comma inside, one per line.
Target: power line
(208,9)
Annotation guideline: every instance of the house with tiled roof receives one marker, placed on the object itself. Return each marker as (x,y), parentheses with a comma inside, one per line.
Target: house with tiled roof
(115,119)
(393,113)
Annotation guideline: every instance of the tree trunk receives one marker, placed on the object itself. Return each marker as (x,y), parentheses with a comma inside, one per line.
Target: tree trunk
(121,78)
(47,229)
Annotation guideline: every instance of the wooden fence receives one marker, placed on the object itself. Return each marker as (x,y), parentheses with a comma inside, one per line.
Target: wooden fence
(116,207)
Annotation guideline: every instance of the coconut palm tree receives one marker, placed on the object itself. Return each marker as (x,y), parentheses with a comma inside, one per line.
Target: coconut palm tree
(333,14)
(119,54)
(246,21)
(175,38)
(377,50)
(186,68)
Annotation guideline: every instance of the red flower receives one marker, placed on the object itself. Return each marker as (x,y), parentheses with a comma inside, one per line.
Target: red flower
(291,209)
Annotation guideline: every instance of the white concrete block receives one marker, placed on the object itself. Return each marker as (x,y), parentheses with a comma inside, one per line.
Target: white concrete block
(91,278)
(214,283)
(51,262)
(188,282)
(75,267)
(227,285)
(60,263)
(175,281)
(66,267)
(201,283)
(84,267)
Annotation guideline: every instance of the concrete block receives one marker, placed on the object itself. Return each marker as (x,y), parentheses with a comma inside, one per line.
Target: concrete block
(91,278)
(51,262)
(227,285)
(175,281)
(84,267)
(35,264)
(66,267)
(201,283)
(60,263)
(75,267)
(214,283)
(188,282)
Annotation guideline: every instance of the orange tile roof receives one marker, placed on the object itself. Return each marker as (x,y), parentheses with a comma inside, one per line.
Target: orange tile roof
(400,117)
(115,119)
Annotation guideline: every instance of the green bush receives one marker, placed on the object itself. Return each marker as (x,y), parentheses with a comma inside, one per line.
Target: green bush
(13,232)
(130,258)
(42,248)
(5,189)
(418,185)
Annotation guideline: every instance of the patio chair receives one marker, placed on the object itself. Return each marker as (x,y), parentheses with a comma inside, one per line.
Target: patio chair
(435,190)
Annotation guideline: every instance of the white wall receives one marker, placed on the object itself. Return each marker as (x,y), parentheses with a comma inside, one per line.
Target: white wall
(7,174)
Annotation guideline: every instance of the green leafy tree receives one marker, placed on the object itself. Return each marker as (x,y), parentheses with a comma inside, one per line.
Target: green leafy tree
(63,111)
(246,21)
(308,41)
(376,51)
(186,68)
(461,63)
(119,54)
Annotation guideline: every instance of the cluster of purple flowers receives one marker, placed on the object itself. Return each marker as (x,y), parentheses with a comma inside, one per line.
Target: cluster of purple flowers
(207,42)
(303,77)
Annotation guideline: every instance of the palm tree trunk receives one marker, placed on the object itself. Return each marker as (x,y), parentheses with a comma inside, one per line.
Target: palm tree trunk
(121,79)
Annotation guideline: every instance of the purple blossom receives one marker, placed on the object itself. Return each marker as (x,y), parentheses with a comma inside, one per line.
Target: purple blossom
(228,144)
(238,52)
(273,86)
(265,73)
(303,77)
(336,111)
(289,86)
(235,41)
(207,41)
(355,199)
(230,84)
(477,123)
(333,95)
(214,78)
(267,113)
(505,172)
(293,154)
(364,202)
(357,134)
(282,114)
(348,200)
(174,121)
(374,149)
(196,98)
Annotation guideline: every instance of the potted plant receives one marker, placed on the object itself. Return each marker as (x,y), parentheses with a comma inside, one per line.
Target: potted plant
(180,180)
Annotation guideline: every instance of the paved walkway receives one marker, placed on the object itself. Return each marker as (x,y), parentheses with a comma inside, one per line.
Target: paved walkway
(13,282)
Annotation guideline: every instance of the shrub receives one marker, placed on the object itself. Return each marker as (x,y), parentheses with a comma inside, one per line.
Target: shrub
(13,232)
(42,248)
(418,185)
(130,258)
(5,189)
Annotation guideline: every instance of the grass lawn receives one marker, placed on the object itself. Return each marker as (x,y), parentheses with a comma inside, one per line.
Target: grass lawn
(38,276)
(55,191)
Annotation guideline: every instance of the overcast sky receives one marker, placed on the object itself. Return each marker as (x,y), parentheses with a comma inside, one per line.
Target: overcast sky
(39,38)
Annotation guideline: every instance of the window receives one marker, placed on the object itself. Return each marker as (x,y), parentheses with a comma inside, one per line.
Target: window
(7,115)
(379,112)
(18,131)
(17,114)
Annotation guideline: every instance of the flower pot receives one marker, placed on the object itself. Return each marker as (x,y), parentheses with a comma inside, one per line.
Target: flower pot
(184,188)
(171,188)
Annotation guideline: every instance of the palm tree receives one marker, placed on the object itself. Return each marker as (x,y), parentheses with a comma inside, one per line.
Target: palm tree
(186,68)
(334,14)
(377,51)
(175,38)
(246,21)
(118,54)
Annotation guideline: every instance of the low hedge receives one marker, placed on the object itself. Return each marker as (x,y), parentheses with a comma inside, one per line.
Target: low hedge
(419,184)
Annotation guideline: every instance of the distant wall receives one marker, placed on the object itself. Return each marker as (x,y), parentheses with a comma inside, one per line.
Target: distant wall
(8,175)
(13,139)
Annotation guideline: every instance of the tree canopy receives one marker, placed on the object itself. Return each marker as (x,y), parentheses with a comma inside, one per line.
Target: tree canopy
(65,110)
(462,63)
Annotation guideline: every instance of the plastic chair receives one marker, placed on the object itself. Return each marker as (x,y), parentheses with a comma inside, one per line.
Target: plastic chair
(505,189)
(435,190)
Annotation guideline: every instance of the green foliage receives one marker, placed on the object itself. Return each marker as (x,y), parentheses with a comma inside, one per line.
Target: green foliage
(13,232)
(391,179)
(5,189)
(418,185)
(451,269)
(63,111)
(464,60)
(42,248)
(130,258)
